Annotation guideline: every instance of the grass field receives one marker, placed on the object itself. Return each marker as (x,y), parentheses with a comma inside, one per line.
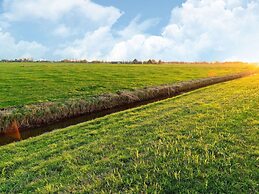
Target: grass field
(26,83)
(204,141)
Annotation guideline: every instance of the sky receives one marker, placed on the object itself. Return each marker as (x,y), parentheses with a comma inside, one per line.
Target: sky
(169,30)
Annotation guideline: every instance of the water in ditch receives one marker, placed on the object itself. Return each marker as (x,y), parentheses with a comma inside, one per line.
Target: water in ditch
(25,134)
(20,135)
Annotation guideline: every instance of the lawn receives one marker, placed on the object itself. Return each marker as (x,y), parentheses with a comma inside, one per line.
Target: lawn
(205,141)
(26,83)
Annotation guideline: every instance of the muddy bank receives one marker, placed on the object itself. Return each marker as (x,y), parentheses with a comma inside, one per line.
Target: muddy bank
(38,115)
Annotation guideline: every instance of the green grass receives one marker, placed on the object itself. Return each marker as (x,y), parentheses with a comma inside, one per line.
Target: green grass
(205,141)
(26,83)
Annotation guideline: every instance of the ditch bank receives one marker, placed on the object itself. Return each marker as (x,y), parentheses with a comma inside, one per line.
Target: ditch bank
(44,114)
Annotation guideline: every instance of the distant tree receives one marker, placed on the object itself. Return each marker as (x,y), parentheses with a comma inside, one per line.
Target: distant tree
(96,61)
(151,61)
(135,61)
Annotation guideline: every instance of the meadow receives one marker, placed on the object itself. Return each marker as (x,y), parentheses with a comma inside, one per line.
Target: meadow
(205,141)
(32,83)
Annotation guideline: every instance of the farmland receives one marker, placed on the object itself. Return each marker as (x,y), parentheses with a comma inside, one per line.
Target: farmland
(30,83)
(205,141)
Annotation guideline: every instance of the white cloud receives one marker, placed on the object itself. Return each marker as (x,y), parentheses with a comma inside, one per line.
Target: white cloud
(62,31)
(93,46)
(137,27)
(53,10)
(141,47)
(97,44)
(198,30)
(201,30)
(61,22)
(22,49)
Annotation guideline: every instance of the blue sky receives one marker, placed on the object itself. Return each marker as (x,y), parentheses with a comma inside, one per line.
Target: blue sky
(160,10)
(172,30)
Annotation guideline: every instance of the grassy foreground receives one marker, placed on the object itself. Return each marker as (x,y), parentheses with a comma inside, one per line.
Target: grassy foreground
(203,141)
(26,83)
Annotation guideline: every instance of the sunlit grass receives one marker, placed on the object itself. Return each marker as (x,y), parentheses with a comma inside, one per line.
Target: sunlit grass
(202,142)
(26,83)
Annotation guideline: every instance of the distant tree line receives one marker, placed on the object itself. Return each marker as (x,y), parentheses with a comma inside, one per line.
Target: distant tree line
(135,61)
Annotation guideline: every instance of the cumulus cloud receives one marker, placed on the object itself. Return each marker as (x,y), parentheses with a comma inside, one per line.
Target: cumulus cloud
(201,30)
(59,22)
(62,31)
(94,45)
(18,10)
(141,47)
(198,30)
(136,26)
(97,44)
(10,48)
